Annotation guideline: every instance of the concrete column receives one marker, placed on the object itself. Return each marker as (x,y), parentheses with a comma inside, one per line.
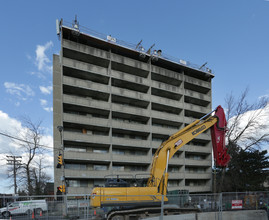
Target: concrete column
(110,112)
(150,113)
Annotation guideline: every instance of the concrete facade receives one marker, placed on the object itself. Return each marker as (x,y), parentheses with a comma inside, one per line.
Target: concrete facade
(116,108)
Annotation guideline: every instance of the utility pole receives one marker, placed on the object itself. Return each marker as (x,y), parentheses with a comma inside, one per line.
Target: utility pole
(14,161)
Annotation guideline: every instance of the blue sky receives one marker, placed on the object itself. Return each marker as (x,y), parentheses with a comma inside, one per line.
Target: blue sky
(232,36)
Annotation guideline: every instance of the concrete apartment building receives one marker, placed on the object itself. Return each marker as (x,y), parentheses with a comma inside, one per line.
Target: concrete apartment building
(117,104)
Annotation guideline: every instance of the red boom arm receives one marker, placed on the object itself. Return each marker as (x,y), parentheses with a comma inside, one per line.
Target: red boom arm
(218,130)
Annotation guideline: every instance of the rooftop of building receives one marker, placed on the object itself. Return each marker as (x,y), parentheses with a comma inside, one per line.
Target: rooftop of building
(131,50)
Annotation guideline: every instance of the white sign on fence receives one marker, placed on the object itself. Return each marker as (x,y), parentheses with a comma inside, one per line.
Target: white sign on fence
(237,204)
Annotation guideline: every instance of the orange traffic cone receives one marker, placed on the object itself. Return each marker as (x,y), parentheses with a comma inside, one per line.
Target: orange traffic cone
(10,218)
(94,212)
(41,214)
(33,215)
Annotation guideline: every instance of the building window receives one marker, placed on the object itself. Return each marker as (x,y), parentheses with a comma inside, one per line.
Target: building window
(173,183)
(75,149)
(118,151)
(74,183)
(118,135)
(176,155)
(78,183)
(173,169)
(83,183)
(195,170)
(118,168)
(100,151)
(195,182)
(195,157)
(98,183)
(138,168)
(138,152)
(75,166)
(100,167)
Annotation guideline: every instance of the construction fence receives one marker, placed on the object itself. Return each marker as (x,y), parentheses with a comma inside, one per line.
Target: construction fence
(78,206)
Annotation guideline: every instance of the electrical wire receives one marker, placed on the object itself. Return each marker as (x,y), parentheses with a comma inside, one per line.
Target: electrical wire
(28,142)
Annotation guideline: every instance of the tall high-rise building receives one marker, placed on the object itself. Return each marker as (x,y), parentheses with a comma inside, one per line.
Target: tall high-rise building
(117,103)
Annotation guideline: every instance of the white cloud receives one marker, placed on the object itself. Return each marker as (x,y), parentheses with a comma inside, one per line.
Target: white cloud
(14,127)
(44,104)
(22,91)
(48,109)
(38,74)
(261,128)
(42,61)
(46,90)
(264,96)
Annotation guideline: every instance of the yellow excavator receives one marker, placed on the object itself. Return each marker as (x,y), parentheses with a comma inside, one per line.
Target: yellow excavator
(121,195)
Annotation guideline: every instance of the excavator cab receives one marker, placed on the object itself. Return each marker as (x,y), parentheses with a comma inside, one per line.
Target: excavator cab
(116,181)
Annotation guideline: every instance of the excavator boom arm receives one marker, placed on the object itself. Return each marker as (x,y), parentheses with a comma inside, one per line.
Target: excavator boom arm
(182,137)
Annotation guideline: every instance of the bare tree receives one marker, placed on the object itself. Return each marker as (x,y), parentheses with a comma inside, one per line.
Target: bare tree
(248,130)
(30,147)
(39,176)
(246,122)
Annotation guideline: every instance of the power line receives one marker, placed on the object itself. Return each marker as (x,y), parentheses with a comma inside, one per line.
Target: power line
(28,142)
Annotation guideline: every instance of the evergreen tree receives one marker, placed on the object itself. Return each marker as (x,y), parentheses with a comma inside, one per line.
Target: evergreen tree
(247,170)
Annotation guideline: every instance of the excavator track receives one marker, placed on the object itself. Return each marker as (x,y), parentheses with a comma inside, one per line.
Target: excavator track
(143,212)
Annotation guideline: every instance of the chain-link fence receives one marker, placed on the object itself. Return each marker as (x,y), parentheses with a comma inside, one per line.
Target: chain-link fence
(79,206)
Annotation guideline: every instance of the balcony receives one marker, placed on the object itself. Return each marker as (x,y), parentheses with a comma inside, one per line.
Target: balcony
(204,163)
(86,67)
(140,81)
(176,175)
(80,174)
(198,149)
(82,48)
(84,84)
(131,159)
(164,131)
(197,95)
(130,126)
(130,110)
(86,156)
(203,85)
(197,176)
(167,87)
(127,142)
(84,120)
(166,116)
(79,190)
(128,65)
(167,103)
(164,75)
(177,161)
(130,94)
(156,144)
(86,138)
(129,174)
(197,108)
(85,102)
